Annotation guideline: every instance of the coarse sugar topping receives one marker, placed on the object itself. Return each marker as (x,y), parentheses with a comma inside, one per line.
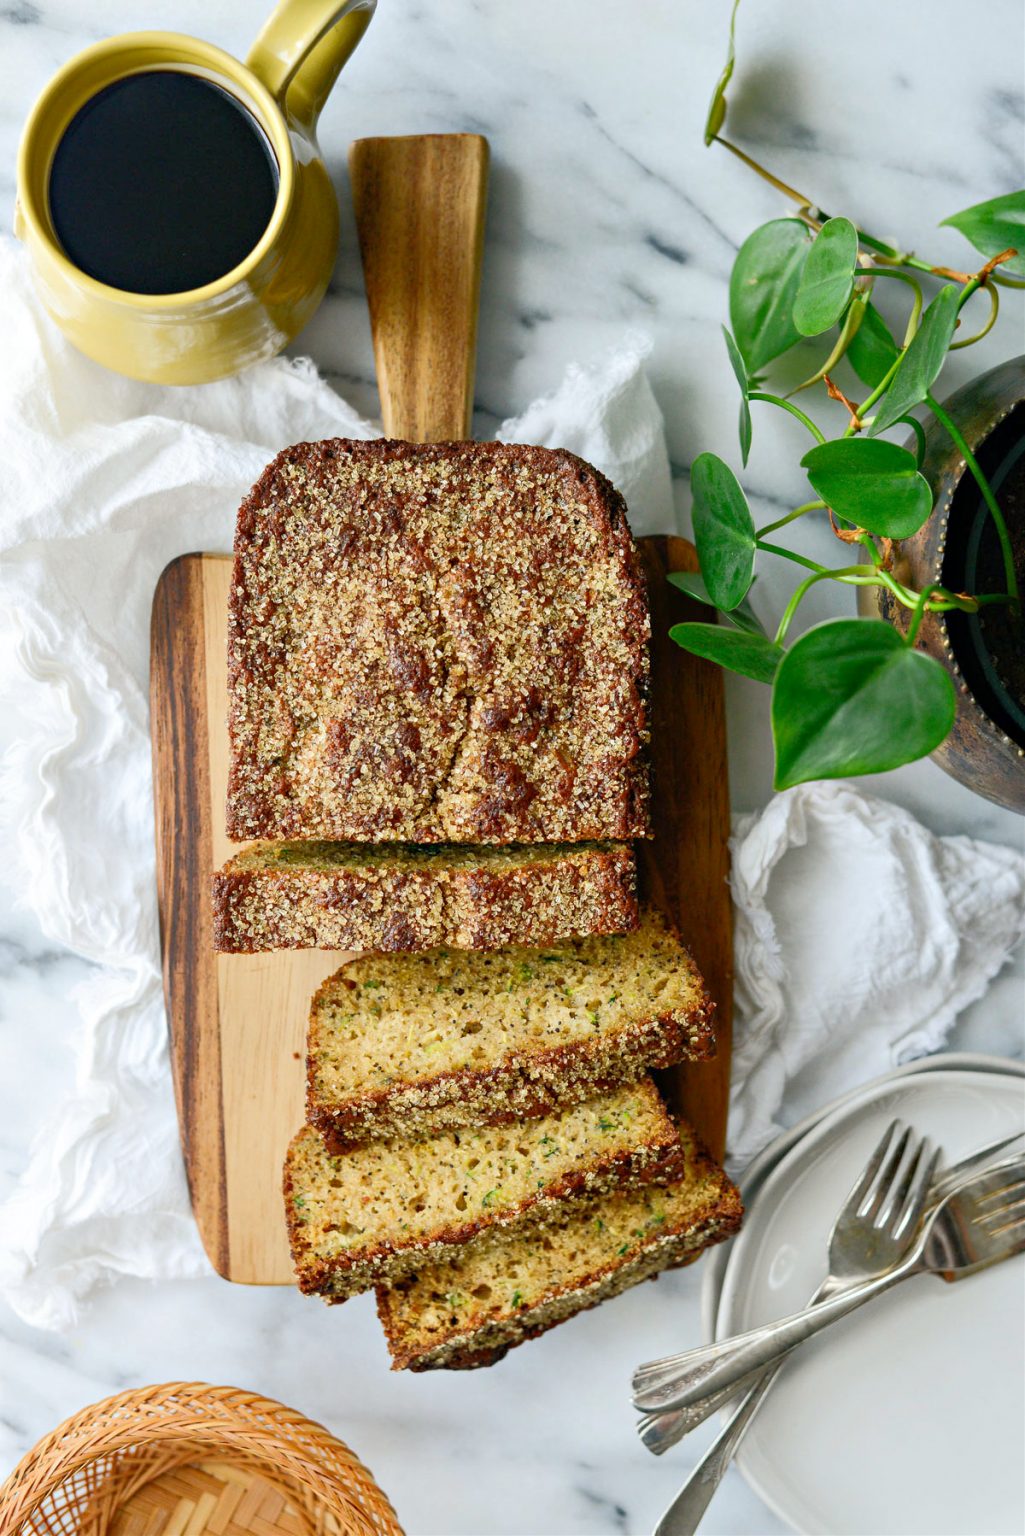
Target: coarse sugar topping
(436,643)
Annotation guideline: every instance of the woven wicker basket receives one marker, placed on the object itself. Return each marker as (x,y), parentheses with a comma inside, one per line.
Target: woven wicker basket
(186,1459)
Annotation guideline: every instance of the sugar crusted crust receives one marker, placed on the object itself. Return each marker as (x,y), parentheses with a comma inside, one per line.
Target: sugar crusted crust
(522,1088)
(442,642)
(401,901)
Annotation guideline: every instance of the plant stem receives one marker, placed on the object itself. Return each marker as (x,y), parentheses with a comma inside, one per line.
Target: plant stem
(919,431)
(918,615)
(916,308)
(781,522)
(994,310)
(887,378)
(774,181)
(967,291)
(954,433)
(879,390)
(788,554)
(788,405)
(805,205)
(800,591)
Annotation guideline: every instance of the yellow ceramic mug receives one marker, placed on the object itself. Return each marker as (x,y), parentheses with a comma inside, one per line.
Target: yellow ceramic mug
(256,308)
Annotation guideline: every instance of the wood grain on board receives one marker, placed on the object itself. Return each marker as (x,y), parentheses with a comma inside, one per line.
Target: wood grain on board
(419,205)
(238,1021)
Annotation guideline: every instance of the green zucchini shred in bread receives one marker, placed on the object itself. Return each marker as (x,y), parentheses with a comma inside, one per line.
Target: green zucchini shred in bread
(369,1213)
(403,897)
(413,1045)
(468,1308)
(439,642)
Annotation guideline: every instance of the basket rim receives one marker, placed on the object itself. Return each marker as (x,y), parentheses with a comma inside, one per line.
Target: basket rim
(218,1415)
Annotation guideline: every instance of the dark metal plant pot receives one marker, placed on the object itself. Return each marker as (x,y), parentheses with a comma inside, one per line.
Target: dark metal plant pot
(985,653)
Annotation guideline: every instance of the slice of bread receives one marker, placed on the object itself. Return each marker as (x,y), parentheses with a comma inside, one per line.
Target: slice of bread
(443,642)
(413,1045)
(370,1213)
(401,896)
(468,1308)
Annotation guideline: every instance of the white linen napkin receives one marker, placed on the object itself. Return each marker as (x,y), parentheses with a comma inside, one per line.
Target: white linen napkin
(859,937)
(104,481)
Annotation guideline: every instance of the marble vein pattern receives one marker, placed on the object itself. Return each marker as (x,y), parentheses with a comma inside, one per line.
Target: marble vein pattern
(606,214)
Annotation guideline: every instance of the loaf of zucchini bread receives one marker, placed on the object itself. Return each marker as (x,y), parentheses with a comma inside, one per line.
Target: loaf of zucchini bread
(471,1306)
(440,642)
(372,1212)
(400,896)
(411,1045)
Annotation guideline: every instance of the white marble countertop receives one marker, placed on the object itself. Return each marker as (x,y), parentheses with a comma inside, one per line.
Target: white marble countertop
(606,213)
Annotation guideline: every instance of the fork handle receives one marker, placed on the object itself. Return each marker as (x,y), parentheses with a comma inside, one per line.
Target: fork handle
(685,1513)
(714,1368)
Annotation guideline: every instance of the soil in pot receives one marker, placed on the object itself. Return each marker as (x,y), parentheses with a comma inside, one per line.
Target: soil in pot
(990,646)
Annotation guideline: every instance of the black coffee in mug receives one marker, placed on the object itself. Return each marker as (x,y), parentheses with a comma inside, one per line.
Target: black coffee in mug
(161,183)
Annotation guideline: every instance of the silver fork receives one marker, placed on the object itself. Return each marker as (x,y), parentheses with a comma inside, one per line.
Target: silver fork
(872,1233)
(980,1223)
(659,1431)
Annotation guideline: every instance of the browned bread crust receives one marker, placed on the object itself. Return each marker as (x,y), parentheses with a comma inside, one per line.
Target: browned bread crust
(436,643)
(414,1046)
(459,1312)
(395,897)
(327,1194)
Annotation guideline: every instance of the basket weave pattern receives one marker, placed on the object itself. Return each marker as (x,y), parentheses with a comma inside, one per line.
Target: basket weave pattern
(187,1459)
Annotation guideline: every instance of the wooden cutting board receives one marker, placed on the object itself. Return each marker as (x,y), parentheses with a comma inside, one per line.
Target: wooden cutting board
(237,1022)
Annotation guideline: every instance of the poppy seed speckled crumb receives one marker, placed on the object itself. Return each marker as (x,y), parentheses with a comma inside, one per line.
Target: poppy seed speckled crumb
(416,1044)
(470,1307)
(370,1213)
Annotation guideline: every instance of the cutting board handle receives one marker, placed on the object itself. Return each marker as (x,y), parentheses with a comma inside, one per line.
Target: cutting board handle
(419,204)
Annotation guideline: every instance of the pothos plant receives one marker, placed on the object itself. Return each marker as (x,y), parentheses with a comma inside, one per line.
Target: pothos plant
(851,695)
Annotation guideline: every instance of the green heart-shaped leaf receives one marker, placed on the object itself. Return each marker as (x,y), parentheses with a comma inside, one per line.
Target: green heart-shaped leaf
(741,617)
(827,280)
(875,485)
(717,106)
(763,286)
(995,226)
(850,697)
(744,424)
(738,650)
(724,531)
(873,350)
(922,361)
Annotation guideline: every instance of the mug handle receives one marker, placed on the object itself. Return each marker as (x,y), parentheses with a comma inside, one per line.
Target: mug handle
(301,50)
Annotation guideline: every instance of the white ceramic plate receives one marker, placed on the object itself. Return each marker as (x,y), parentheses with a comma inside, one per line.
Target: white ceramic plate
(908,1417)
(758,1170)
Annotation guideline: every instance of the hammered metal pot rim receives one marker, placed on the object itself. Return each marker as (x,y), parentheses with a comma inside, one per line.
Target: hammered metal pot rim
(1002,408)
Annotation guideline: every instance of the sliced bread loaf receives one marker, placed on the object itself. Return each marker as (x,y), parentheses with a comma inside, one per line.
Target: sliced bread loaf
(370,1213)
(442,642)
(469,1307)
(417,1044)
(402,896)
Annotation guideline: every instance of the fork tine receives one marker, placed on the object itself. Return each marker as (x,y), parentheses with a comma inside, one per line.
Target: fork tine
(1006,1233)
(1014,1201)
(892,1198)
(891,1161)
(950,1178)
(1015,1181)
(871,1168)
(915,1194)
